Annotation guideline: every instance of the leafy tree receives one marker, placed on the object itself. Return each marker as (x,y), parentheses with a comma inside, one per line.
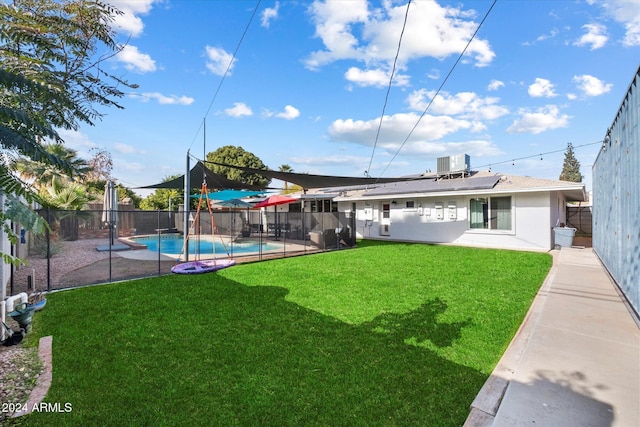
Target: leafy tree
(96,189)
(237,156)
(159,199)
(100,165)
(50,79)
(571,166)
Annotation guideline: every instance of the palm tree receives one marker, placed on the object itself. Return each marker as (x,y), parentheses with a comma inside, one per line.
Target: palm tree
(43,173)
(285,168)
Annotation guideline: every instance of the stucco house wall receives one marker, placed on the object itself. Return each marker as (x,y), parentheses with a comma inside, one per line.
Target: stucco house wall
(533,217)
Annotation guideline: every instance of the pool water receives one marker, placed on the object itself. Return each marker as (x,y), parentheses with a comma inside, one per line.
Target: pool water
(203,245)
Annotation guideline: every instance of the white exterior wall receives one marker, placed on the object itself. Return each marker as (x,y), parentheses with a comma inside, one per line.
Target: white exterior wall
(533,217)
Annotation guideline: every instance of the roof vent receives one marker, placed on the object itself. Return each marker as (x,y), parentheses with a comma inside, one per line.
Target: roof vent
(458,164)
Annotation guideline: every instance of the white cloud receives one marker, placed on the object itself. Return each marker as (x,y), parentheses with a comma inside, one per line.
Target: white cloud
(130,22)
(239,109)
(395,129)
(269,14)
(136,61)
(219,60)
(374,77)
(595,36)
(591,86)
(626,13)
(166,99)
(126,148)
(543,119)
(77,140)
(426,140)
(495,85)
(290,112)
(371,36)
(542,88)
(465,105)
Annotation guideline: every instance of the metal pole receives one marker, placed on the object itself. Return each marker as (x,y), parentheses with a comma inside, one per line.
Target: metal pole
(187,186)
(159,242)
(48,234)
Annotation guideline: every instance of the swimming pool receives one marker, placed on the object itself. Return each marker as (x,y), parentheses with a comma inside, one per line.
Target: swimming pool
(203,245)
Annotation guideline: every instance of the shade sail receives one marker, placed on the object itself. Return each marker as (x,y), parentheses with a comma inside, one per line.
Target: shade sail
(308,181)
(229,194)
(200,173)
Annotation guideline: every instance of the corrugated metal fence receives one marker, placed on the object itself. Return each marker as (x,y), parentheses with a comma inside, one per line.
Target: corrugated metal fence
(616,197)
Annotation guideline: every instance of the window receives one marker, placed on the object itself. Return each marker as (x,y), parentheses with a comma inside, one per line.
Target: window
(490,213)
(410,204)
(386,209)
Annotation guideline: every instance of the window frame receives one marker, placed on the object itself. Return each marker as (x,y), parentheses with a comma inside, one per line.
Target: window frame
(489,219)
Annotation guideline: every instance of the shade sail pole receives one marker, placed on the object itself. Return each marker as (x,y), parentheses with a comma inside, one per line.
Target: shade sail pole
(185,224)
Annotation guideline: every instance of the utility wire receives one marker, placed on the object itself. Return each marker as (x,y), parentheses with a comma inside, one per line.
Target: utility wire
(439,89)
(235,52)
(386,99)
(489,165)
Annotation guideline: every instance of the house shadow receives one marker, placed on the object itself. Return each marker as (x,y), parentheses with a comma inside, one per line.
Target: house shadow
(554,399)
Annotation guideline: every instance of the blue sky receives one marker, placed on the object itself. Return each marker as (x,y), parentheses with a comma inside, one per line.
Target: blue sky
(309,80)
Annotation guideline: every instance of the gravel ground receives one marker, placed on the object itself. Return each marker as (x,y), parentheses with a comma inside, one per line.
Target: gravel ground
(72,256)
(19,371)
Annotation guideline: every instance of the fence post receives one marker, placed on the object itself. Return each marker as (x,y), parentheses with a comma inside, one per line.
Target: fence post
(48,234)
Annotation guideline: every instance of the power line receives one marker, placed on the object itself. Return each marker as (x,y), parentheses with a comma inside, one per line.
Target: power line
(386,99)
(439,89)
(226,71)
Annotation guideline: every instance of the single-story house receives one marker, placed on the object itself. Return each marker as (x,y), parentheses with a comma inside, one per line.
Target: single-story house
(481,209)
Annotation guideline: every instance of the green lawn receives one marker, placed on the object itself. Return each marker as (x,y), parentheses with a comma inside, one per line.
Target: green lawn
(385,334)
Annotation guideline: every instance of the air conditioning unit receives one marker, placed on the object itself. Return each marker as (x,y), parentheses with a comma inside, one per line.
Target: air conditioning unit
(454,164)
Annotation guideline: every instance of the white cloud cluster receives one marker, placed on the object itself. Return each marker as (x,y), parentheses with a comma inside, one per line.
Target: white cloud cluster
(290,112)
(377,77)
(166,99)
(542,88)
(465,105)
(627,13)
(495,85)
(595,36)
(134,60)
(129,22)
(239,109)
(219,60)
(269,14)
(539,120)
(591,86)
(371,36)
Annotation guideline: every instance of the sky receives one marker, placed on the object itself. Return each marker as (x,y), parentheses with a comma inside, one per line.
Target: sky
(306,83)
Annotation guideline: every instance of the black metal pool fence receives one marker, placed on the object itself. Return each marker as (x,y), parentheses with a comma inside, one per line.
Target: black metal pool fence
(90,247)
